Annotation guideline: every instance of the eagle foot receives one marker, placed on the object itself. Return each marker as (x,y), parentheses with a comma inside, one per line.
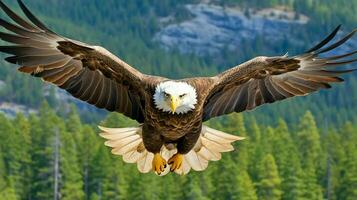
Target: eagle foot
(175,161)
(158,164)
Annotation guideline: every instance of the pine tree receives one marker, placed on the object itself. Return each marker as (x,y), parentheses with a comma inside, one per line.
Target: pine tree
(245,189)
(206,181)
(236,162)
(256,151)
(269,180)
(108,180)
(310,149)
(73,122)
(281,144)
(43,134)
(191,188)
(267,141)
(8,193)
(170,187)
(254,132)
(3,171)
(292,179)
(311,189)
(22,128)
(87,147)
(333,145)
(55,163)
(348,171)
(261,149)
(6,190)
(309,140)
(225,177)
(12,152)
(71,178)
(287,160)
(349,179)
(234,124)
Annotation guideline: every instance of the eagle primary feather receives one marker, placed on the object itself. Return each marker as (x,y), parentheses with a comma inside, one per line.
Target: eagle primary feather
(94,75)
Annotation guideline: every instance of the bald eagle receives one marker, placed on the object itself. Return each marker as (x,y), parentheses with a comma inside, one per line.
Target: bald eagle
(171,136)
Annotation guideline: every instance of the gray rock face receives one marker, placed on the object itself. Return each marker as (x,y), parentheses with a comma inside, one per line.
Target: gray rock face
(10,109)
(214,28)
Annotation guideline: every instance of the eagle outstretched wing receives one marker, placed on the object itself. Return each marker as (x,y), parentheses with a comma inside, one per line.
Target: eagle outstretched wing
(269,79)
(89,73)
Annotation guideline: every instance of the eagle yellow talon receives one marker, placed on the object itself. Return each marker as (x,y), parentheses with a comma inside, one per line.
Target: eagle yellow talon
(175,161)
(158,164)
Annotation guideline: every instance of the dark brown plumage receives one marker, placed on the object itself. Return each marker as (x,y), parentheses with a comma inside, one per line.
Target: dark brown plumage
(94,75)
(269,79)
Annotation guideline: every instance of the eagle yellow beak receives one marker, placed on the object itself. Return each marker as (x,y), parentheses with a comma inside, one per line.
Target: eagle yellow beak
(174,103)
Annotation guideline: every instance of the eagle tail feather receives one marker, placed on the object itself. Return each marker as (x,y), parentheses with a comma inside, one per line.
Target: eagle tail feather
(128,142)
(209,147)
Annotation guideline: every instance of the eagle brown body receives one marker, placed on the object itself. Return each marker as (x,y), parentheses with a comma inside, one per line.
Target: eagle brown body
(96,76)
(184,129)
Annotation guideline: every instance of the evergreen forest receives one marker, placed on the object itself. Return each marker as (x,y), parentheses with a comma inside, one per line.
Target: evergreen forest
(47,156)
(300,149)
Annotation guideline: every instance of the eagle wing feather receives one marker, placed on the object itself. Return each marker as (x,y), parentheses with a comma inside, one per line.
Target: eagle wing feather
(89,73)
(265,80)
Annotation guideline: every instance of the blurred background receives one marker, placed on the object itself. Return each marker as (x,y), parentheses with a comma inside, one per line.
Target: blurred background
(303,148)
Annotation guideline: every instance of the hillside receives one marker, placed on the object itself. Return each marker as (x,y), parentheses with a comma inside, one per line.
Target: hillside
(168,38)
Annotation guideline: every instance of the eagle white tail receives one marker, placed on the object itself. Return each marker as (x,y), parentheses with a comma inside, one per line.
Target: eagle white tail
(127,142)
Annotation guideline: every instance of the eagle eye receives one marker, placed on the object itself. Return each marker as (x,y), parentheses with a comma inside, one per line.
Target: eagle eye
(166,95)
(182,95)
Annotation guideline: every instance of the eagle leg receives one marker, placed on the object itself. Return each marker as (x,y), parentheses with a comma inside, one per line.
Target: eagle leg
(187,142)
(158,164)
(175,161)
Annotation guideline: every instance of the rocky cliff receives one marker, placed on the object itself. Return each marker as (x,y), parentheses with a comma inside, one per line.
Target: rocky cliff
(213,28)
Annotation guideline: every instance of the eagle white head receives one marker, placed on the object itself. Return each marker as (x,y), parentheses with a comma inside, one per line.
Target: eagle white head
(175,97)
